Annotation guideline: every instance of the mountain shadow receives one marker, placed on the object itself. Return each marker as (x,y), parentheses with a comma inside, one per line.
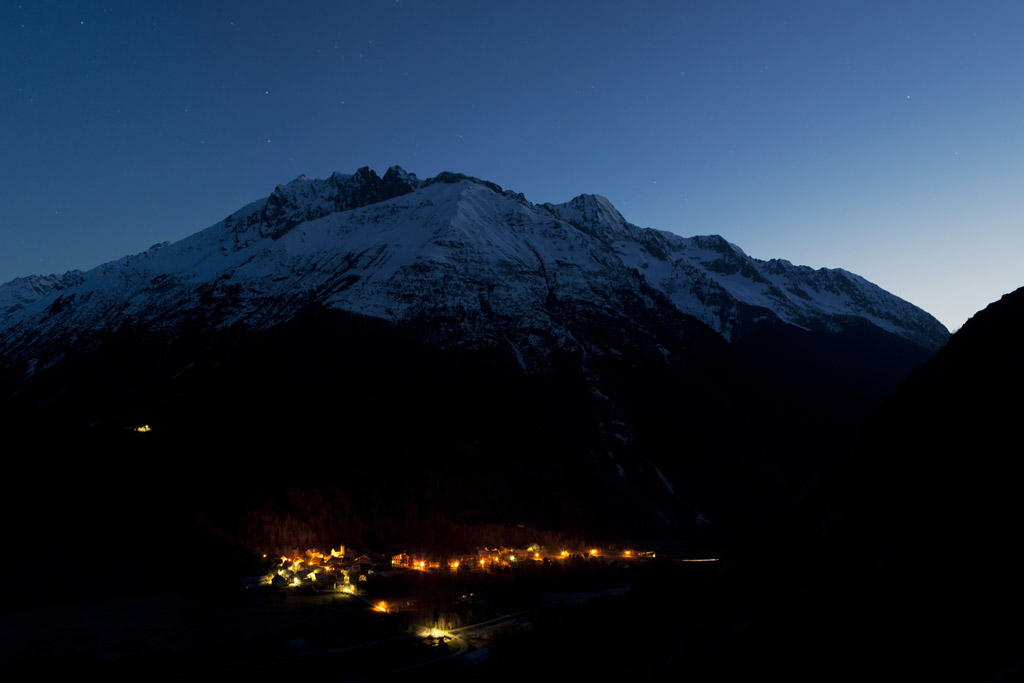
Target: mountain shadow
(903,559)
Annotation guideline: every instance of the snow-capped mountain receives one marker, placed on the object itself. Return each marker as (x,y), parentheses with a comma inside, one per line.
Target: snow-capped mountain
(485,266)
(666,375)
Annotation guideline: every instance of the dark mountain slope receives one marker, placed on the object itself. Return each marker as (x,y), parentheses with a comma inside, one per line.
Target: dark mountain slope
(905,559)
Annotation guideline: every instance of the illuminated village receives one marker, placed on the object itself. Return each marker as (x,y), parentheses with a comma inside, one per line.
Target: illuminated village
(333,571)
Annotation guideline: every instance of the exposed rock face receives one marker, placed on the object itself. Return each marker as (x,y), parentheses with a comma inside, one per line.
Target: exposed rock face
(305,200)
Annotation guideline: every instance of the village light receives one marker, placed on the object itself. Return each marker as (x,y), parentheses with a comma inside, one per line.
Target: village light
(434,632)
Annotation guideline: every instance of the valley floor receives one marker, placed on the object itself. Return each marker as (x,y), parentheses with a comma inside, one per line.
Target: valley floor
(264,633)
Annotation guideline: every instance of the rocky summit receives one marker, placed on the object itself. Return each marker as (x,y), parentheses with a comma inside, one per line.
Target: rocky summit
(483,266)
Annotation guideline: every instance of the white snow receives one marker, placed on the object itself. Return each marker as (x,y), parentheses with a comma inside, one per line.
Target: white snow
(458,250)
(664,479)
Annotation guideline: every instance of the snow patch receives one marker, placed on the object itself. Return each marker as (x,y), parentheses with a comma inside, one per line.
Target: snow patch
(664,479)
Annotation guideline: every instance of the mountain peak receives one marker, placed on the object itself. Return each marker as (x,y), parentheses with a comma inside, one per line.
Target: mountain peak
(590,212)
(449,178)
(398,174)
(486,255)
(303,200)
(365,174)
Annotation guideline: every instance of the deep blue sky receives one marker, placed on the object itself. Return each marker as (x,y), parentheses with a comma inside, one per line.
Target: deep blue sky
(881,137)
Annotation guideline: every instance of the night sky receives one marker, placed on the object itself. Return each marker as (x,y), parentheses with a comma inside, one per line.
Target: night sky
(881,137)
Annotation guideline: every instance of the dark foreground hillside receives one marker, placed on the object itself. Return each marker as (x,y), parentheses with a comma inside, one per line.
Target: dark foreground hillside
(904,560)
